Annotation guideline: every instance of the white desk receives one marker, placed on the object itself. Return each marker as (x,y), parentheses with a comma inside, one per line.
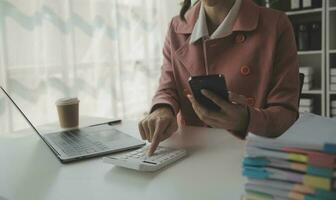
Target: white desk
(30,171)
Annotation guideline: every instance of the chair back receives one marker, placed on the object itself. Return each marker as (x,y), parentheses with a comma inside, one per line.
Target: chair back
(301,76)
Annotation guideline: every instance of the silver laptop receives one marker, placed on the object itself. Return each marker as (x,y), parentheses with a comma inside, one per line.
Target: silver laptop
(87,142)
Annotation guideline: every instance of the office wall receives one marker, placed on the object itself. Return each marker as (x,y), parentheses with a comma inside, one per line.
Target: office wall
(106,52)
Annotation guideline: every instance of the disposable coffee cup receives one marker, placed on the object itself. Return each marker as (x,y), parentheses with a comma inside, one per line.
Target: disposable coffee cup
(67,109)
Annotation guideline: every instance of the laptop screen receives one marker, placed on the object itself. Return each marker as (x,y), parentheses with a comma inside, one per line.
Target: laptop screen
(11,119)
(17,116)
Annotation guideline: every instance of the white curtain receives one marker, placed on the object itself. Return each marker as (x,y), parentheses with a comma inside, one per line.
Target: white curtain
(108,53)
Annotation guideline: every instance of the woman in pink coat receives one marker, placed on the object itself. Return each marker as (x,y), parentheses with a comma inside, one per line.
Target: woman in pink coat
(252,46)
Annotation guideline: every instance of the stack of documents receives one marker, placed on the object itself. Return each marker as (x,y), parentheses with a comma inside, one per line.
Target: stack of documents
(298,165)
(306,105)
(308,80)
(333,79)
(333,108)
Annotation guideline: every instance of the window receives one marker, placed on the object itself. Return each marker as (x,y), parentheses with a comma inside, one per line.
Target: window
(105,52)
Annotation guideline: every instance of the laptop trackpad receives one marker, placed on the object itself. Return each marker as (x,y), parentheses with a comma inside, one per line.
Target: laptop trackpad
(105,135)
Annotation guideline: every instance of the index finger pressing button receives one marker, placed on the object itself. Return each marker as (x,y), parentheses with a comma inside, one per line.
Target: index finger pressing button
(159,128)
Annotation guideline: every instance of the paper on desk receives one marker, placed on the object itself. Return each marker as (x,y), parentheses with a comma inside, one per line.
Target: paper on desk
(291,176)
(293,187)
(289,165)
(310,131)
(254,195)
(274,192)
(311,157)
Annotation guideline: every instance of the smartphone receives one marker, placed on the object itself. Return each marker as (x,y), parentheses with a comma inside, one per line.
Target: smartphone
(214,83)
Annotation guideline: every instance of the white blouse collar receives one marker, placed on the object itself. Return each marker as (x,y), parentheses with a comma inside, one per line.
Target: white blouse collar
(224,29)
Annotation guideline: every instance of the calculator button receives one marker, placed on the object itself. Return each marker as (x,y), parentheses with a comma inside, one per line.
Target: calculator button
(138,159)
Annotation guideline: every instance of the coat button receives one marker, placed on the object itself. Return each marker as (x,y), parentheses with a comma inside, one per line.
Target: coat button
(245,70)
(250,101)
(240,38)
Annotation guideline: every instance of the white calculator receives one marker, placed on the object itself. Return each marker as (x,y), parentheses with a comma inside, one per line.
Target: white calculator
(138,159)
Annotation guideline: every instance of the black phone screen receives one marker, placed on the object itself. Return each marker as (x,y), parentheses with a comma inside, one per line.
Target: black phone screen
(214,83)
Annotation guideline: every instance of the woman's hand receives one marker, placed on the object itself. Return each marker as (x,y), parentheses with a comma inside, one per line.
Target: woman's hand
(158,126)
(232,116)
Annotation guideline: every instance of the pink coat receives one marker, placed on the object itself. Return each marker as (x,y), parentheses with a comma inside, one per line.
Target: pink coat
(259,60)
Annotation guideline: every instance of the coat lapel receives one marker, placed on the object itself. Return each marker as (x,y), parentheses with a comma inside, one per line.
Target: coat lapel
(191,55)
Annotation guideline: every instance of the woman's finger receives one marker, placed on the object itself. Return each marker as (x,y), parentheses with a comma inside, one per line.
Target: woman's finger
(222,103)
(203,113)
(237,98)
(141,130)
(171,128)
(160,126)
(219,119)
(146,128)
(196,106)
(151,127)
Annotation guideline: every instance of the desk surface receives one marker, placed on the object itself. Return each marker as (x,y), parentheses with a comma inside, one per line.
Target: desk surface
(212,170)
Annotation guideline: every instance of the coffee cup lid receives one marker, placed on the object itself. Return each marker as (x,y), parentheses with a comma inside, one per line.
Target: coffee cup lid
(67,101)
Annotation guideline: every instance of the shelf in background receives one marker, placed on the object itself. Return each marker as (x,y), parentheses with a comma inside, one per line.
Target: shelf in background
(309,52)
(332,92)
(301,12)
(332,8)
(312,92)
(332,51)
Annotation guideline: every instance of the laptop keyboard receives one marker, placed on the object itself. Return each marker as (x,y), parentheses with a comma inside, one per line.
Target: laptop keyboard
(75,143)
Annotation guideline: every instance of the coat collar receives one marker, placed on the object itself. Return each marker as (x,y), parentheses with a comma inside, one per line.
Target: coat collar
(247,19)
(191,55)
(224,29)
